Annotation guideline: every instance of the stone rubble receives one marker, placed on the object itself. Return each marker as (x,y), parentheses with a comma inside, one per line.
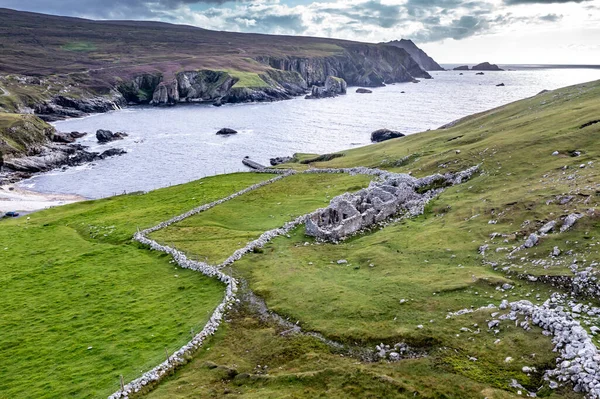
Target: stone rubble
(349,213)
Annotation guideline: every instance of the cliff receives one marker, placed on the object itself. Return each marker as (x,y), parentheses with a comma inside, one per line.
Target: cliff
(425,62)
(85,70)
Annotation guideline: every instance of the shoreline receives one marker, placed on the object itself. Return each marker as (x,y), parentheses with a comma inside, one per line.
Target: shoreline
(17,199)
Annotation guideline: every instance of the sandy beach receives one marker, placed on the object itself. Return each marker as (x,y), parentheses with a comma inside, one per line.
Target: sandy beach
(13,198)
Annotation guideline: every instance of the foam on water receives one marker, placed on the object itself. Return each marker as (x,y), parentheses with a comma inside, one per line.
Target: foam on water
(178,144)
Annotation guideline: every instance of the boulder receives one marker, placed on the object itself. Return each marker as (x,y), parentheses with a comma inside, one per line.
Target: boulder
(59,137)
(462,68)
(363,91)
(479,73)
(226,130)
(486,66)
(105,136)
(384,134)
(500,85)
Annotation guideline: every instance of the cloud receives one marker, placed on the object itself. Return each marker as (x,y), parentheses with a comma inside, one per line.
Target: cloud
(517,2)
(551,17)
(365,20)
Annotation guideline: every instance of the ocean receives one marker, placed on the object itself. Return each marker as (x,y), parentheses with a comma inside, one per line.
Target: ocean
(173,145)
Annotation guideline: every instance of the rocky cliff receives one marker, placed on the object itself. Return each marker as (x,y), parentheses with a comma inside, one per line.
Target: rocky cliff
(425,62)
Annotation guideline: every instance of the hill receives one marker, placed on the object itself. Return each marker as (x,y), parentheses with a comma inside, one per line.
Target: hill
(424,61)
(61,66)
(85,304)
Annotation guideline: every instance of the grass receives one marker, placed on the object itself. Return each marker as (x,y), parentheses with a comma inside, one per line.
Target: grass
(21,133)
(214,235)
(247,79)
(84,47)
(431,261)
(84,275)
(83,304)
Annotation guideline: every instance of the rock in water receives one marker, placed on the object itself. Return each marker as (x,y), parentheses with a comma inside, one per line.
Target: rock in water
(486,66)
(462,68)
(425,62)
(384,134)
(479,73)
(105,136)
(226,130)
(363,91)
(332,88)
(500,85)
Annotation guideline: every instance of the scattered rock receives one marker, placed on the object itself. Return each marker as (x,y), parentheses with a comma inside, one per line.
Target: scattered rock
(548,227)
(532,241)
(556,252)
(226,131)
(105,136)
(570,221)
(385,134)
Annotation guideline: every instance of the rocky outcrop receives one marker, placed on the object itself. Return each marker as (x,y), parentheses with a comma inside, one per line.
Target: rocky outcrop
(332,88)
(397,193)
(358,64)
(56,155)
(106,136)
(461,68)
(425,62)
(486,66)
(385,134)
(62,106)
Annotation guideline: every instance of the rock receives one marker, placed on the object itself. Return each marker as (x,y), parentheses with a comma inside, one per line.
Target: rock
(226,131)
(461,73)
(112,152)
(279,160)
(59,137)
(548,227)
(363,91)
(531,241)
(461,68)
(493,323)
(480,73)
(555,252)
(342,262)
(332,88)
(555,153)
(385,134)
(486,66)
(105,136)
(570,221)
(507,287)
(500,85)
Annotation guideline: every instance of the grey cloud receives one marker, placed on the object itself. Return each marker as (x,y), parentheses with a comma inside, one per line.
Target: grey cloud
(109,9)
(458,29)
(551,17)
(517,2)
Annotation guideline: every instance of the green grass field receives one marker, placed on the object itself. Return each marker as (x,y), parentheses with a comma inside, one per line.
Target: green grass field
(432,262)
(82,304)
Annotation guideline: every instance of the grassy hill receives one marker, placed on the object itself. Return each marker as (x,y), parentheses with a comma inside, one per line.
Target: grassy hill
(72,279)
(64,61)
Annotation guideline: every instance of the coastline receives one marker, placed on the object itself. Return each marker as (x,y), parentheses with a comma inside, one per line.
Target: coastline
(17,199)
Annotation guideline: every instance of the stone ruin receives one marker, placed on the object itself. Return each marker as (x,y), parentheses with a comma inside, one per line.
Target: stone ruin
(350,213)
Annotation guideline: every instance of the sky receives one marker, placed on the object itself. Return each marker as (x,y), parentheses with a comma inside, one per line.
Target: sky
(451,31)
